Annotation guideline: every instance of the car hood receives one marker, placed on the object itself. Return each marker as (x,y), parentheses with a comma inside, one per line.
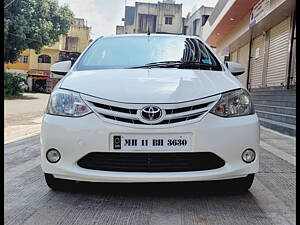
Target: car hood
(156,85)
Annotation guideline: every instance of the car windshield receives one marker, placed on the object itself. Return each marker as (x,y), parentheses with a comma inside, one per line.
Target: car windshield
(147,51)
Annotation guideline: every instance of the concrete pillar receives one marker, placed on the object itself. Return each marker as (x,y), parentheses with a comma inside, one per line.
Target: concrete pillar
(29,82)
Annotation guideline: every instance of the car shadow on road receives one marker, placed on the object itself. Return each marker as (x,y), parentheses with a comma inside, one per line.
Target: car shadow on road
(22,97)
(183,189)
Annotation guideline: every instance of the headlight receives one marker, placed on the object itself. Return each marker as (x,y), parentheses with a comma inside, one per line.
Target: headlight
(66,103)
(234,103)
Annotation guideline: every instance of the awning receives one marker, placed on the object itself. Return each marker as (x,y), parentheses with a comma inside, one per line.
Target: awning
(232,17)
(39,77)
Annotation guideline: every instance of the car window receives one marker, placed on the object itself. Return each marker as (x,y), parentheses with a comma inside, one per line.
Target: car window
(133,51)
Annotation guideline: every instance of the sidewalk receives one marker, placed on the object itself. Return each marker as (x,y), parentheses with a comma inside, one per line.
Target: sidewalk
(23,116)
(283,146)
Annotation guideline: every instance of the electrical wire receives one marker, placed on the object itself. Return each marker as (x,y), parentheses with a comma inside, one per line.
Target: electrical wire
(9,4)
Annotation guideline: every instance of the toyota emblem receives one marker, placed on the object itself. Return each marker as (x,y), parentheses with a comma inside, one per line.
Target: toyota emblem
(151,113)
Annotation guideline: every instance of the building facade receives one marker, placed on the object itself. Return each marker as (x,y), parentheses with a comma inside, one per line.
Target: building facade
(163,17)
(36,67)
(261,35)
(193,23)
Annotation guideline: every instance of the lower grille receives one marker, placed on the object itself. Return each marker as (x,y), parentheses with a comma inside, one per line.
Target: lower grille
(151,162)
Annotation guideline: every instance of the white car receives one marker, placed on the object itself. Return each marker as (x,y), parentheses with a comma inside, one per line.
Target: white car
(149,108)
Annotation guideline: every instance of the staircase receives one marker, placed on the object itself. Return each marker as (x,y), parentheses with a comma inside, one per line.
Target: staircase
(276,108)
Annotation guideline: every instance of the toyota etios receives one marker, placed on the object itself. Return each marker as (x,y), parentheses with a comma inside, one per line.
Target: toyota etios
(149,108)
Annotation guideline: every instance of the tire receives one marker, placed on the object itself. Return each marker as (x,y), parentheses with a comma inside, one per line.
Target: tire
(243,184)
(58,184)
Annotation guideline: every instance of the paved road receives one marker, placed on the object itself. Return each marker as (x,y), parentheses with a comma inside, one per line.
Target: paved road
(271,200)
(23,116)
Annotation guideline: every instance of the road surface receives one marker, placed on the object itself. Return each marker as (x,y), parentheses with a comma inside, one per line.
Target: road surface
(271,199)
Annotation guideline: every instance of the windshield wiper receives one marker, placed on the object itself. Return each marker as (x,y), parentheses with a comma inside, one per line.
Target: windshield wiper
(177,64)
(156,64)
(163,63)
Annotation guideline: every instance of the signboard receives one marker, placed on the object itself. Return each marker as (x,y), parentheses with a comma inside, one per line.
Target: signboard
(259,11)
(39,73)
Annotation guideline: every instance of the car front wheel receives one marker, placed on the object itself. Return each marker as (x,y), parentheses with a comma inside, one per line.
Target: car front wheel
(58,184)
(243,184)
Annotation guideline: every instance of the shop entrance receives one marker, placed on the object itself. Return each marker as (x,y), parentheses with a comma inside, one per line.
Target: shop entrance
(39,84)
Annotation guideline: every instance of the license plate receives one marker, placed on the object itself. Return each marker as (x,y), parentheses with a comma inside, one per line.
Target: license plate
(151,142)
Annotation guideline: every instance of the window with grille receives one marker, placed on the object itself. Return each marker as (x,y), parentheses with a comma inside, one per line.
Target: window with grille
(24,59)
(44,59)
(147,21)
(168,20)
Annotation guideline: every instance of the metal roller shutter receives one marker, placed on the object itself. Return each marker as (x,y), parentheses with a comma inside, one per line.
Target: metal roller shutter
(257,61)
(278,54)
(243,55)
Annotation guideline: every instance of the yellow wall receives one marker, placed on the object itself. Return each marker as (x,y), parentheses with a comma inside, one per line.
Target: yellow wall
(83,33)
(59,45)
(76,30)
(34,65)
(18,65)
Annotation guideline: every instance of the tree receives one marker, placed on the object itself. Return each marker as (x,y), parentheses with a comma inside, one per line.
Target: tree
(32,24)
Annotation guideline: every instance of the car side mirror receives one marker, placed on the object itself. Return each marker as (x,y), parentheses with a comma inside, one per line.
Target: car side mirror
(61,68)
(235,68)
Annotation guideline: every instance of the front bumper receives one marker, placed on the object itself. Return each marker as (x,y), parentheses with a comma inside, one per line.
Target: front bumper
(76,137)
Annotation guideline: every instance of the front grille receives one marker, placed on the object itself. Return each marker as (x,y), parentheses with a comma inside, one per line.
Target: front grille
(114,108)
(135,121)
(188,108)
(151,162)
(128,113)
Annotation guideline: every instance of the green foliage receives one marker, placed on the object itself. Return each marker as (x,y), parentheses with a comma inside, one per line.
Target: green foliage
(32,24)
(12,85)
